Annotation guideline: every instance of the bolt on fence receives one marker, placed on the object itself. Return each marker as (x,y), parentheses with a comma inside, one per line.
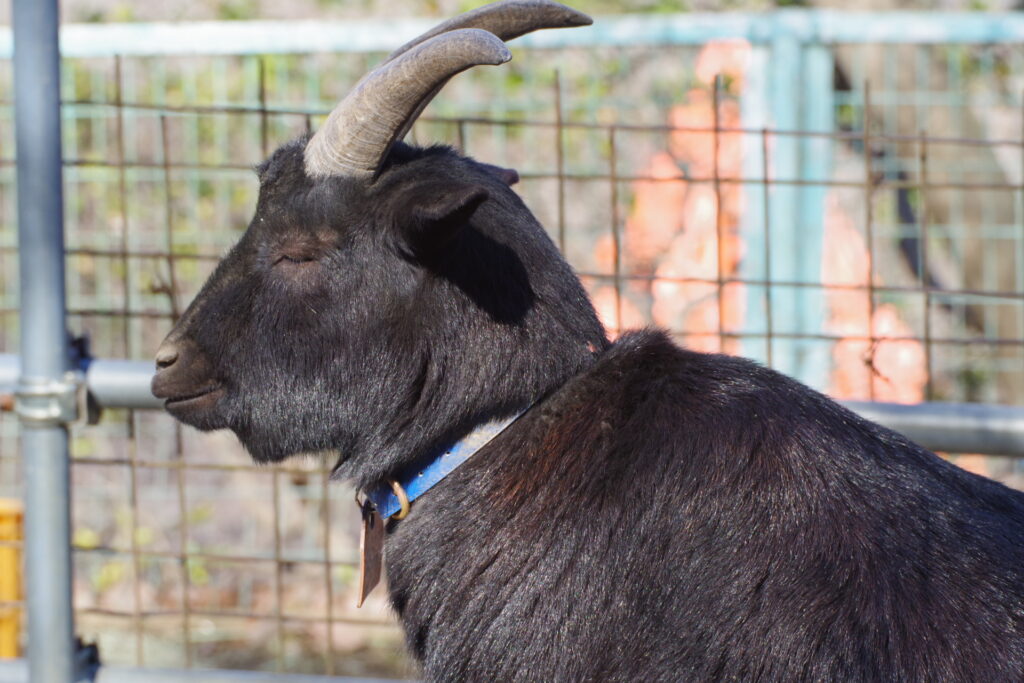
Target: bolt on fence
(777,193)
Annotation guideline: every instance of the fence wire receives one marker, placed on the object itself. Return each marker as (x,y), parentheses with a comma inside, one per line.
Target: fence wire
(659,195)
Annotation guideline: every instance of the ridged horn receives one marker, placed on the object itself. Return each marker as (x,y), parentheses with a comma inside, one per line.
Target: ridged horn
(507,19)
(362,128)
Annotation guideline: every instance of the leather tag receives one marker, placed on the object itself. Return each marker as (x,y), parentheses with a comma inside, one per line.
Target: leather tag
(371,550)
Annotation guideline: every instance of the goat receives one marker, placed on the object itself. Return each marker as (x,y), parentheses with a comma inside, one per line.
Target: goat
(648,513)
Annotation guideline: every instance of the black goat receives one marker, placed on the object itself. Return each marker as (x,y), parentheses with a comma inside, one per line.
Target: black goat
(654,515)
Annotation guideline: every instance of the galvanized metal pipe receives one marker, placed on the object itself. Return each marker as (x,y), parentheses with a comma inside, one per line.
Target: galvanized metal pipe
(16,671)
(112,383)
(819,26)
(43,339)
(950,427)
(10,370)
(122,383)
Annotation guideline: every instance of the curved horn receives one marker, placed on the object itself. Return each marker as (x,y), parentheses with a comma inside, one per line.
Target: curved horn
(506,19)
(362,128)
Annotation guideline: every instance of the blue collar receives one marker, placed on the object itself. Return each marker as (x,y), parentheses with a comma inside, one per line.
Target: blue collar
(384,497)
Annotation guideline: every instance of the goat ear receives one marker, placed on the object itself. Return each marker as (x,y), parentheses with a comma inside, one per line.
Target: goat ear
(509,176)
(441,213)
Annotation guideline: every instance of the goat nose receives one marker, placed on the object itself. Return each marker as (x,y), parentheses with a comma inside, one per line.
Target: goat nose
(166,355)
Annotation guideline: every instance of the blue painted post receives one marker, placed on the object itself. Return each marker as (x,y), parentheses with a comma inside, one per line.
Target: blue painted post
(818,114)
(789,88)
(785,70)
(755,117)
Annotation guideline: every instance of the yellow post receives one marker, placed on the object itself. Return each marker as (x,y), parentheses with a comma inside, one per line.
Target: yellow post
(11,519)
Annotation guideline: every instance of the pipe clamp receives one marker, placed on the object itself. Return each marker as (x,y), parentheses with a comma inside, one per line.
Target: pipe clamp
(48,402)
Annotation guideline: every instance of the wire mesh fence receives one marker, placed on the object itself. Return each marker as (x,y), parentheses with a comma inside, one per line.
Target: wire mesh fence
(901,278)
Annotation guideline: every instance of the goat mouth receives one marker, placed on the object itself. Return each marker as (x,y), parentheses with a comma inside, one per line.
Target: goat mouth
(202,399)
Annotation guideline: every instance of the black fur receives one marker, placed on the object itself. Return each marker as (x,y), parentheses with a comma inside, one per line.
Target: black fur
(657,515)
(369,340)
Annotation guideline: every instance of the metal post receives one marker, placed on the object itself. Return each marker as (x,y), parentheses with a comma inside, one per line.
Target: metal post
(756,225)
(817,115)
(45,396)
(785,68)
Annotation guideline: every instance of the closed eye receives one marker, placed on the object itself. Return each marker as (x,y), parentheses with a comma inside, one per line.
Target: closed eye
(303,268)
(286,258)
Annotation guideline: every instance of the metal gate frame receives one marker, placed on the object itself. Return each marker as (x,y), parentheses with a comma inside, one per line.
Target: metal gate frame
(51,387)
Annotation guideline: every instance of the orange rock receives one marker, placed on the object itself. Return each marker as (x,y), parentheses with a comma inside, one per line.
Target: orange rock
(901,364)
(604,253)
(694,142)
(657,214)
(845,260)
(977,464)
(893,369)
(845,273)
(726,57)
(604,301)
(880,360)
